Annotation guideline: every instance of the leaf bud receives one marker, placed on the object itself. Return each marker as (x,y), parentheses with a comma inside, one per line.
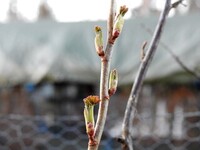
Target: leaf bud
(113,81)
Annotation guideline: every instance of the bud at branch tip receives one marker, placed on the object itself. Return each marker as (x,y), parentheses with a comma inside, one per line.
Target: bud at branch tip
(119,22)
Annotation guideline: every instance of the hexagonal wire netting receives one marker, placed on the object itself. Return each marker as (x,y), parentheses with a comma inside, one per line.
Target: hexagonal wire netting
(68,133)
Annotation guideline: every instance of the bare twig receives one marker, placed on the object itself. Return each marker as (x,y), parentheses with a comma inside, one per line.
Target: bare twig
(105,69)
(174,56)
(143,50)
(176,4)
(177,59)
(133,98)
(104,96)
(111,18)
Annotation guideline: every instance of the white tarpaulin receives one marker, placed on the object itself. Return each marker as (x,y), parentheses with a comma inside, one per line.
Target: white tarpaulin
(65,51)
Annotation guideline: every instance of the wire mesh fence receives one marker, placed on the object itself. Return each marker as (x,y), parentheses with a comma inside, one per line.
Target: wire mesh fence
(68,132)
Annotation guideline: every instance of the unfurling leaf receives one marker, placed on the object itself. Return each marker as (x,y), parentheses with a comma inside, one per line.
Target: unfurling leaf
(91,100)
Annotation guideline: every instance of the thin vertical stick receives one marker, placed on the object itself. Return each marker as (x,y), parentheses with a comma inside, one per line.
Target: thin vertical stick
(174,56)
(105,69)
(126,139)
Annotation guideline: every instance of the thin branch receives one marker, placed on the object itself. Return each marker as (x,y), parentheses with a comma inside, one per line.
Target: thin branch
(176,4)
(106,90)
(143,50)
(105,69)
(174,56)
(111,18)
(104,96)
(168,49)
(177,59)
(132,101)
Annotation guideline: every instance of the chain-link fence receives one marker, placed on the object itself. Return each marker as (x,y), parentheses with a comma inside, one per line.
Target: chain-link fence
(68,132)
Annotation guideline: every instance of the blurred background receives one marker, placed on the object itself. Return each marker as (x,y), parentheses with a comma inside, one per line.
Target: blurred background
(48,64)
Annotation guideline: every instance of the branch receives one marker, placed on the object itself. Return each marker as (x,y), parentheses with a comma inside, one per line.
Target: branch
(133,98)
(174,56)
(111,18)
(142,55)
(106,90)
(105,69)
(176,4)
